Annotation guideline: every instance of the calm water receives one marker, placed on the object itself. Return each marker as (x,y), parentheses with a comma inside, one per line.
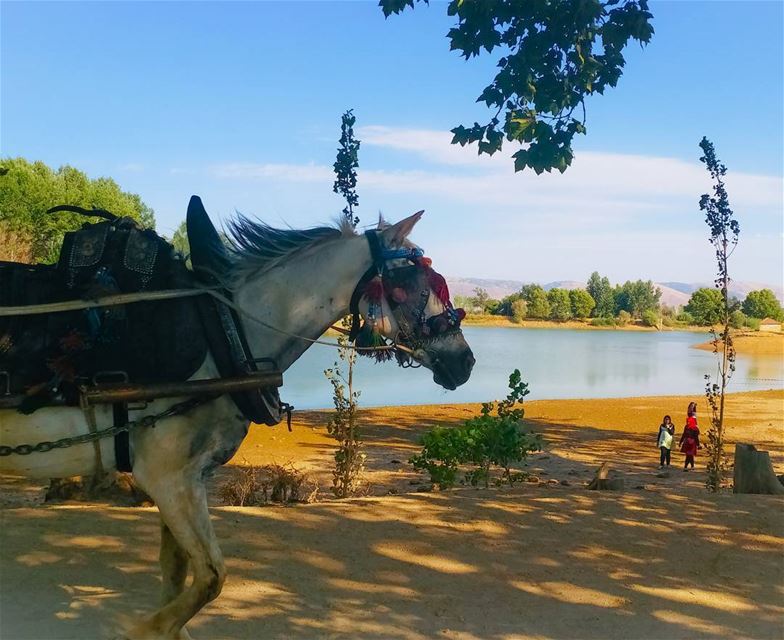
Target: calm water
(556,363)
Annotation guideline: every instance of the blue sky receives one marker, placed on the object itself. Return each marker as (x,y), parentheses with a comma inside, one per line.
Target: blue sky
(241,103)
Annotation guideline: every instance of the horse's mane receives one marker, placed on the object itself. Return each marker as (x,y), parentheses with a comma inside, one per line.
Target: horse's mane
(255,247)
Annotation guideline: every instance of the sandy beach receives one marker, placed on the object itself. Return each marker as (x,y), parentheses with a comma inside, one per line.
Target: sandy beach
(547,559)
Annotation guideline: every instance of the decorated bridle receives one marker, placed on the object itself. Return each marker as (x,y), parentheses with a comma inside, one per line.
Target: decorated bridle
(406,279)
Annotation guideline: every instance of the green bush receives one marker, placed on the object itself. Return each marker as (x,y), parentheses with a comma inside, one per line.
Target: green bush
(650,318)
(685,317)
(603,322)
(669,321)
(624,318)
(753,323)
(495,438)
(519,310)
(737,319)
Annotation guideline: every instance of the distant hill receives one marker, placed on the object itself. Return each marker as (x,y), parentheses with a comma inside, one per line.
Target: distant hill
(495,288)
(674,294)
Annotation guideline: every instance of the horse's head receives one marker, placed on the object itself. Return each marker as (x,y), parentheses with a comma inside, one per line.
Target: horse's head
(404,303)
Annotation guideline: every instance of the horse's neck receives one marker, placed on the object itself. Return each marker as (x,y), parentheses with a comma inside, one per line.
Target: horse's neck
(302,297)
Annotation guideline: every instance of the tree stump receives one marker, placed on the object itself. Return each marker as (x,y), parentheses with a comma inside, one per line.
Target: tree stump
(602,482)
(754,472)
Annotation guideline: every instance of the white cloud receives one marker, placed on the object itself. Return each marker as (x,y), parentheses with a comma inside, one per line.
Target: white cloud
(599,185)
(627,215)
(606,175)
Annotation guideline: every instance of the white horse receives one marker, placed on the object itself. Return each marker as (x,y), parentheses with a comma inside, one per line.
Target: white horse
(301,282)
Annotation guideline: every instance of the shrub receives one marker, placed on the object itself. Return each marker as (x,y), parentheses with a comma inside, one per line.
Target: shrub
(669,321)
(753,323)
(254,486)
(519,310)
(624,318)
(685,317)
(495,438)
(737,319)
(650,318)
(603,322)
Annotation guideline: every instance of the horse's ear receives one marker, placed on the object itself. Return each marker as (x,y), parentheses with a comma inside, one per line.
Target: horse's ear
(395,235)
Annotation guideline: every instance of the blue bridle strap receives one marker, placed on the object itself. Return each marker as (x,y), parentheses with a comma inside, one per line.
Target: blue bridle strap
(380,256)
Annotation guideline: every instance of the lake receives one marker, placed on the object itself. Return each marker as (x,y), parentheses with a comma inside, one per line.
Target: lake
(556,363)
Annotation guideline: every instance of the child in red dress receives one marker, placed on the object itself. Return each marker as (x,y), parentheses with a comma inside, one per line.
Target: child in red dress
(690,440)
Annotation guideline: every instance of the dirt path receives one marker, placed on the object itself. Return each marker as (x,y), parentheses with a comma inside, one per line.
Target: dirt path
(662,559)
(534,562)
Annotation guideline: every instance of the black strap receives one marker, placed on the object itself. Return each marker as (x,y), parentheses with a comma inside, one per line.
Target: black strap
(376,255)
(122,440)
(99,213)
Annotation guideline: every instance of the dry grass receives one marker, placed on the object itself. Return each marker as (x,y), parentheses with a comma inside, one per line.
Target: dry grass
(255,485)
(15,246)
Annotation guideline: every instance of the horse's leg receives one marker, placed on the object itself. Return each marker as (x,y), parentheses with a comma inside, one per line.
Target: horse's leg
(174,566)
(182,501)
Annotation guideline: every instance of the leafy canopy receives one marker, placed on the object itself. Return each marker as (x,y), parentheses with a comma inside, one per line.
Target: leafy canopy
(346,165)
(554,54)
(560,304)
(582,303)
(601,291)
(763,304)
(28,189)
(706,306)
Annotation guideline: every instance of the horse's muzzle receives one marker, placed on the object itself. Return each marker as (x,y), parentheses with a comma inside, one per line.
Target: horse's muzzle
(451,370)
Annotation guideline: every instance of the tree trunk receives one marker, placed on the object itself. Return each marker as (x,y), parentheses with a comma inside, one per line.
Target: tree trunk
(754,472)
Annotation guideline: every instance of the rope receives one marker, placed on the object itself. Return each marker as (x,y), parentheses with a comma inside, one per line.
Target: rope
(105,301)
(152,296)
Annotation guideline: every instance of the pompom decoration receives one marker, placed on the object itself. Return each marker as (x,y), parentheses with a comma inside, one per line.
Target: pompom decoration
(461,314)
(425,262)
(374,289)
(399,295)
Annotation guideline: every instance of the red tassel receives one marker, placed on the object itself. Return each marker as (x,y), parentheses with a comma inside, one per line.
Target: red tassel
(461,314)
(374,289)
(439,287)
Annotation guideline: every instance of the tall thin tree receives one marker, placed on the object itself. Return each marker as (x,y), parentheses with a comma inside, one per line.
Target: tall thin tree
(724,232)
(343,426)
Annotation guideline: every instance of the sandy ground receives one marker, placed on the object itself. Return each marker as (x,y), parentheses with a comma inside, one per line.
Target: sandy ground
(548,559)
(757,343)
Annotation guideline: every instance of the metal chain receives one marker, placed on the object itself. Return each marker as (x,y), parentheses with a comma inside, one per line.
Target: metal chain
(63,443)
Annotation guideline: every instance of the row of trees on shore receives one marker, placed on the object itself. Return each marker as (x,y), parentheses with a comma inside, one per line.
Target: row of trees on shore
(605,304)
(27,189)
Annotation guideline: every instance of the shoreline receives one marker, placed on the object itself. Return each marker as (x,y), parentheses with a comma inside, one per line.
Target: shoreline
(506,321)
(466,405)
(578,434)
